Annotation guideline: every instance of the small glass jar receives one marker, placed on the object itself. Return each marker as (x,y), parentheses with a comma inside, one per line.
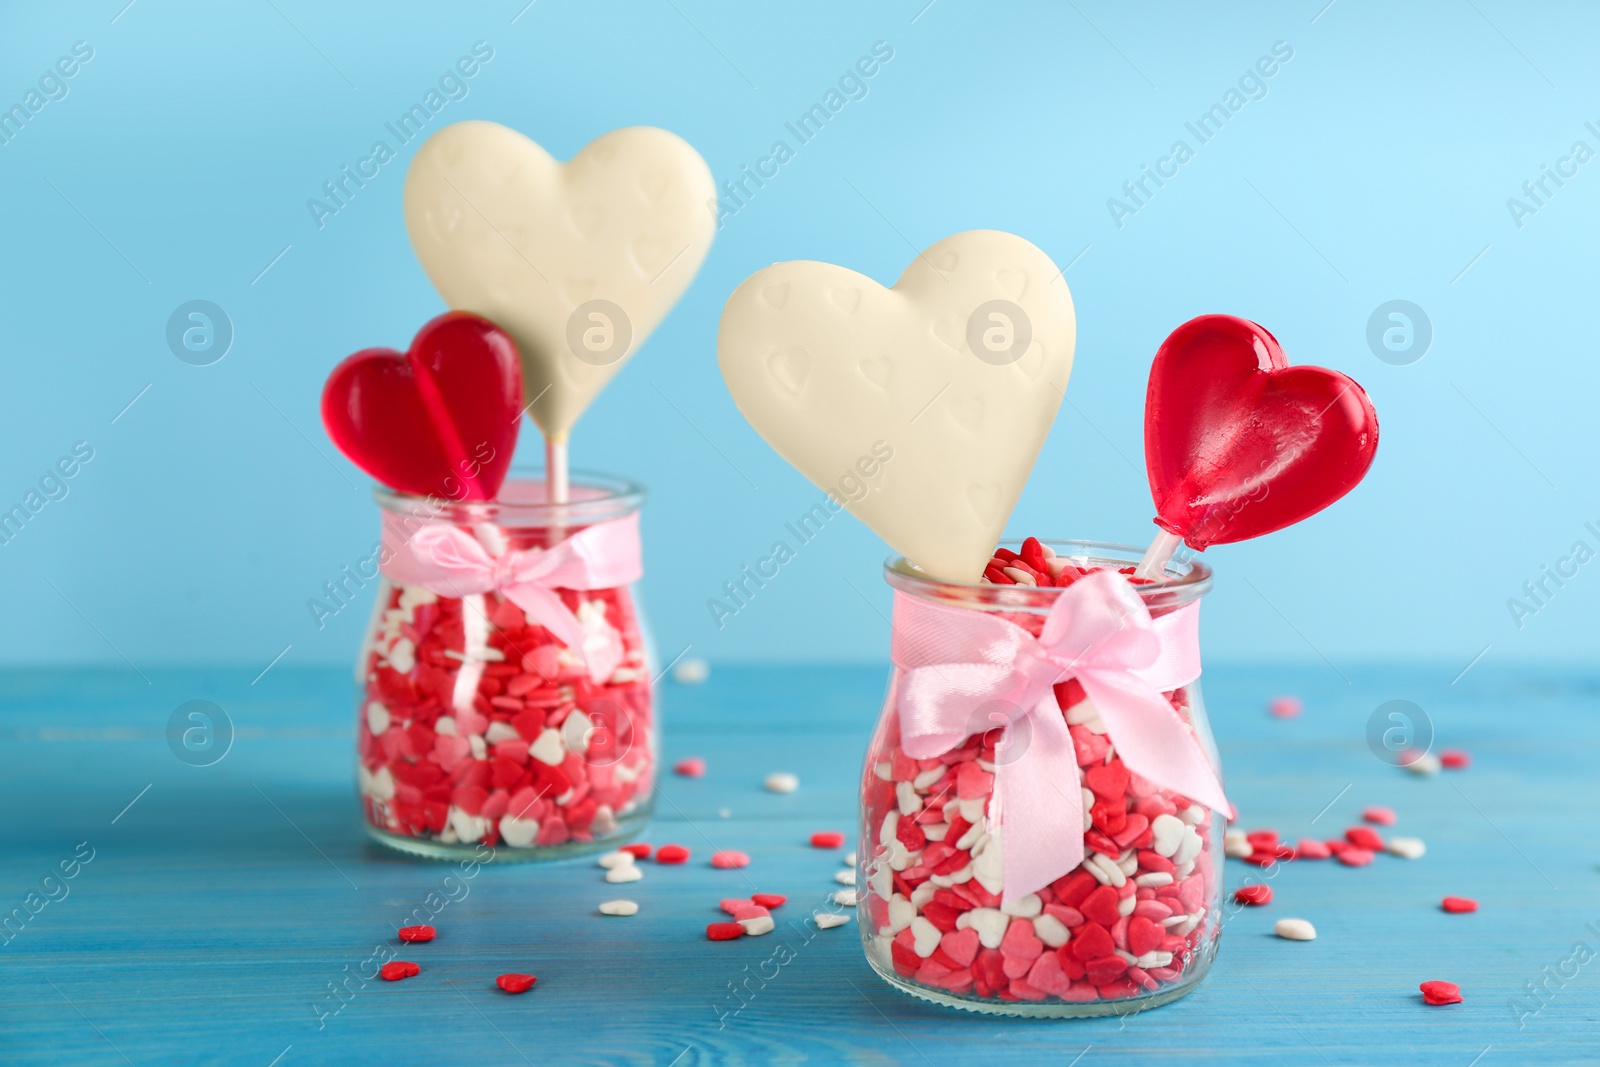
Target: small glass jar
(476,724)
(1066,950)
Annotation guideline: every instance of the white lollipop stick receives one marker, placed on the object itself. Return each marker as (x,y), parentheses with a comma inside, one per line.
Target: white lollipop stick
(557,488)
(1154,563)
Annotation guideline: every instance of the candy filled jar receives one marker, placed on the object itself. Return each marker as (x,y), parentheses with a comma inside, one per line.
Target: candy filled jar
(505,683)
(1042,809)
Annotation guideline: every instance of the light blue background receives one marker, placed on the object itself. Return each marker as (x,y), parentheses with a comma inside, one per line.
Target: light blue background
(1377,167)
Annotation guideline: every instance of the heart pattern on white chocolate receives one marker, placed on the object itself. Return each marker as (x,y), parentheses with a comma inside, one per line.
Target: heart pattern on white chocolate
(831,368)
(577,261)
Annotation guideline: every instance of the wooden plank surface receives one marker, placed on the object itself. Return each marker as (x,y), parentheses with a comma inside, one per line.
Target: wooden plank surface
(218,907)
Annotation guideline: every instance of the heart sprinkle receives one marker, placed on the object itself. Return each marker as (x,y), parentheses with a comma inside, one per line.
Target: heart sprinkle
(672,854)
(417,933)
(515,983)
(1438,993)
(396,970)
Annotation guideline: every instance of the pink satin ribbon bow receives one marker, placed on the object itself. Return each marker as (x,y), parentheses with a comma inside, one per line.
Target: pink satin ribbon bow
(966,671)
(452,562)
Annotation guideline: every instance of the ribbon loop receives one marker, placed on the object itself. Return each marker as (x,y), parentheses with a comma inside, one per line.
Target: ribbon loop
(451,562)
(964,672)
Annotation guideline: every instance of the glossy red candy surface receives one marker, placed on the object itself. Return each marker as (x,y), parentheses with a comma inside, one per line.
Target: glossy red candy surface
(439,419)
(1238,443)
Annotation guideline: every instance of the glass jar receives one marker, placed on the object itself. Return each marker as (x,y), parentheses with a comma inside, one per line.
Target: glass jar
(505,681)
(1136,923)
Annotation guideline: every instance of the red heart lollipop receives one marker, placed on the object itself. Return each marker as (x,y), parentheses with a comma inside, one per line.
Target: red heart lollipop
(440,419)
(1237,443)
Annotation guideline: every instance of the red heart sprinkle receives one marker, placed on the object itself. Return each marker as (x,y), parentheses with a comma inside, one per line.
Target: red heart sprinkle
(724,931)
(439,419)
(769,900)
(1144,935)
(395,970)
(1454,759)
(1364,837)
(417,933)
(827,839)
(672,854)
(515,983)
(725,860)
(1437,993)
(1238,443)
(1101,906)
(1255,895)
(640,851)
(1459,905)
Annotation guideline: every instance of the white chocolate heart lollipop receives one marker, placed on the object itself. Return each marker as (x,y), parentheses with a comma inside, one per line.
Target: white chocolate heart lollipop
(577,261)
(958,371)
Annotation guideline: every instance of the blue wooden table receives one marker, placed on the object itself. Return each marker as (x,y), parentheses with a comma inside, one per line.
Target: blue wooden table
(212,908)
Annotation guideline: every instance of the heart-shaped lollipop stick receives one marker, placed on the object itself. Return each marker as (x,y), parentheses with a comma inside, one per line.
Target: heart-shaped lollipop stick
(577,261)
(439,419)
(919,408)
(1237,443)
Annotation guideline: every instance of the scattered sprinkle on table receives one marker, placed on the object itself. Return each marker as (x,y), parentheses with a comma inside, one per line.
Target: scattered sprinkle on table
(639,851)
(782,782)
(827,839)
(724,931)
(417,933)
(672,854)
(845,898)
(1309,848)
(1454,759)
(769,900)
(827,920)
(515,983)
(1437,993)
(849,860)
(395,970)
(691,671)
(1380,816)
(1407,848)
(625,873)
(729,859)
(1364,837)
(1254,895)
(1459,905)
(756,925)
(846,876)
(613,860)
(1237,844)
(1425,763)
(1356,857)
(619,907)
(693,767)
(1285,707)
(1295,930)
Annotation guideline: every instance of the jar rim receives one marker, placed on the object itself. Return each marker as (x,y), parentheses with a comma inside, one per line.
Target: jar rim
(521,501)
(1185,581)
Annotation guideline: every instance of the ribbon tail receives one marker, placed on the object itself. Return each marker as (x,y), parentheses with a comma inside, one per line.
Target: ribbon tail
(1041,803)
(1153,741)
